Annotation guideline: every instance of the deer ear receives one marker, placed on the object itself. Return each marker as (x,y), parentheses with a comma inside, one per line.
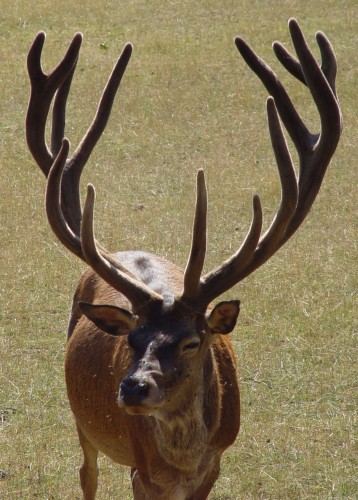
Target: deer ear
(110,319)
(222,319)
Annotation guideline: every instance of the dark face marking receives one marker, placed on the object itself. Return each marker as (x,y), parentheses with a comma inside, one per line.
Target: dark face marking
(164,336)
(164,352)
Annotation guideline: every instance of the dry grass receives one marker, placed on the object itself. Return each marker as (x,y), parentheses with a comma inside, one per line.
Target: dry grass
(187,101)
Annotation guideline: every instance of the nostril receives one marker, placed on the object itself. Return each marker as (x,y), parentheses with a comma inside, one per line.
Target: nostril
(128,383)
(132,387)
(143,389)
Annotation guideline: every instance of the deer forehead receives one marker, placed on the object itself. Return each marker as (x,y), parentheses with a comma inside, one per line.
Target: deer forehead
(162,337)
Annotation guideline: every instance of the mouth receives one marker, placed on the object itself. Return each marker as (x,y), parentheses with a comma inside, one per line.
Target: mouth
(136,405)
(139,410)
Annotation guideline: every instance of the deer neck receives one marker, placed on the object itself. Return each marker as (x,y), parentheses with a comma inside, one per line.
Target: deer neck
(183,433)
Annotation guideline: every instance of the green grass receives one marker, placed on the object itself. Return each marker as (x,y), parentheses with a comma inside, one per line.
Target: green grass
(187,101)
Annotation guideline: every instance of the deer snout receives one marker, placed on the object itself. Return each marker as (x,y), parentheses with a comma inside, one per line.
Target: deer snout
(130,388)
(139,395)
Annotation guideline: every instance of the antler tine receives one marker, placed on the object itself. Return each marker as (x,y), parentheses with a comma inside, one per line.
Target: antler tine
(59,112)
(292,121)
(329,60)
(73,170)
(227,275)
(315,152)
(43,89)
(99,123)
(196,259)
(288,61)
(119,278)
(293,66)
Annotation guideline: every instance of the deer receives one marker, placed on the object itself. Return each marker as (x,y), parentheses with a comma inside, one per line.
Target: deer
(150,369)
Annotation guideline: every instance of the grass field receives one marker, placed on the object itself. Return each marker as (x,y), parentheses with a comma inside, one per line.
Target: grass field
(187,101)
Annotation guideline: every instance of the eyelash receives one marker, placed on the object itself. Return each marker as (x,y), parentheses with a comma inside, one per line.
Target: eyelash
(192,345)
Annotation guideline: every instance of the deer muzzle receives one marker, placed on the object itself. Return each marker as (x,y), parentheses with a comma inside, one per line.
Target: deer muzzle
(140,392)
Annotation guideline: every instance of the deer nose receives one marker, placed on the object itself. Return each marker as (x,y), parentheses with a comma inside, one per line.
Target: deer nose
(133,390)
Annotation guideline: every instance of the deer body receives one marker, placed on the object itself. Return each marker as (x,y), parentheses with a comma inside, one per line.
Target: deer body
(150,370)
(184,440)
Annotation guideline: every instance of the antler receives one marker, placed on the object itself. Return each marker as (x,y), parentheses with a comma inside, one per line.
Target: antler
(314,152)
(298,194)
(63,206)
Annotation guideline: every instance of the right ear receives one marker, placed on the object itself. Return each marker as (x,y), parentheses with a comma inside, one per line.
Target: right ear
(222,319)
(110,319)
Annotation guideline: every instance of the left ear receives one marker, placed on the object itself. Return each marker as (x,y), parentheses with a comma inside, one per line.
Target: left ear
(222,319)
(110,319)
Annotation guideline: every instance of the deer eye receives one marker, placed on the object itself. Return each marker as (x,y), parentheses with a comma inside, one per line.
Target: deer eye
(191,346)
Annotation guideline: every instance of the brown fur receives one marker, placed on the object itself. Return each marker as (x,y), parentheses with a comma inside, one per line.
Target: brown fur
(175,454)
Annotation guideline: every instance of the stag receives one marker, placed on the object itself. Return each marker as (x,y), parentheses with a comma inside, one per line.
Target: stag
(150,370)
